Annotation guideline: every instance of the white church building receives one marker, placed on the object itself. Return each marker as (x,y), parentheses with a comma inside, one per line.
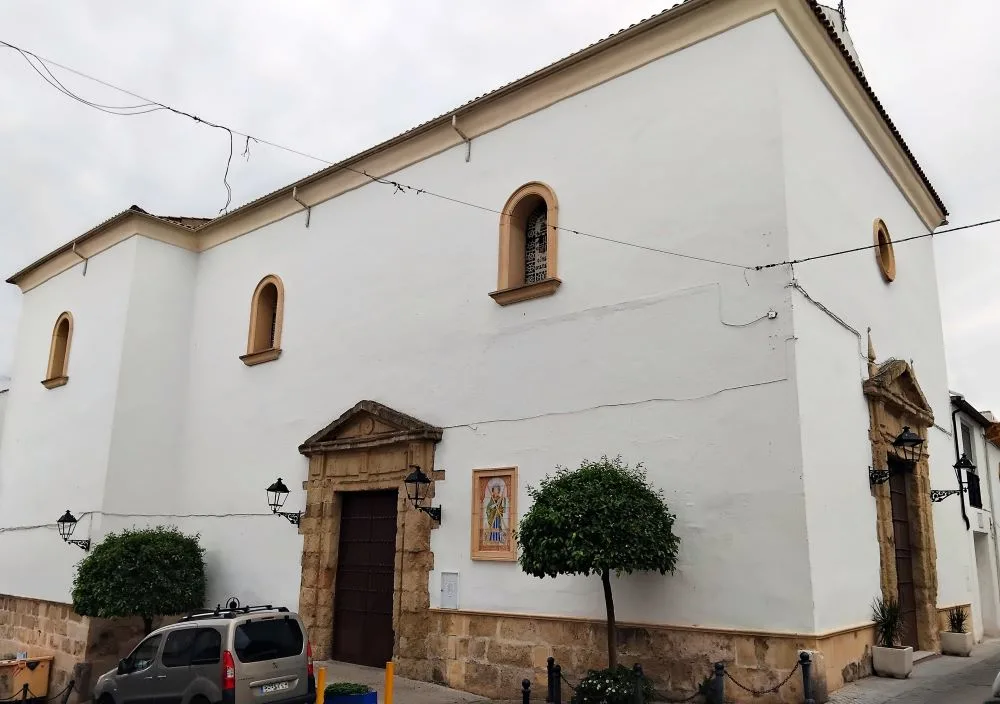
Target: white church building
(594,282)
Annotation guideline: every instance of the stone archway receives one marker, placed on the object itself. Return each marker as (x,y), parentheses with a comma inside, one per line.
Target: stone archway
(368,449)
(895,400)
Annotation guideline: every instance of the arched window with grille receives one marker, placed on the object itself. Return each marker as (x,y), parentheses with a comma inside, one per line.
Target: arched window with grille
(57,371)
(528,245)
(266,314)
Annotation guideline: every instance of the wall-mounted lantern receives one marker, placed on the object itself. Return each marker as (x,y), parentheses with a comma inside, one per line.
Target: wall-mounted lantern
(417,484)
(67,524)
(908,446)
(965,463)
(276,495)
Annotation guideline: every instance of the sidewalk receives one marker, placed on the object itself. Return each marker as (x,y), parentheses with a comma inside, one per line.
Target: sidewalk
(942,680)
(404,691)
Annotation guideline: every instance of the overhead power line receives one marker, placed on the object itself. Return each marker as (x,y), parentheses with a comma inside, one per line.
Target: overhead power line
(873,246)
(149,105)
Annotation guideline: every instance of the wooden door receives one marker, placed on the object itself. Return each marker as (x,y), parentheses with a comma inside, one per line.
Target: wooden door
(363,596)
(905,592)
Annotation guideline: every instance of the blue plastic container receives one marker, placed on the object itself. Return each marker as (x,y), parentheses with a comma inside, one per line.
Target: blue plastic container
(369,698)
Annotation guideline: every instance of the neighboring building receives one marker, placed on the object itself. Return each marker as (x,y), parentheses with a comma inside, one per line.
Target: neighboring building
(973,510)
(384,331)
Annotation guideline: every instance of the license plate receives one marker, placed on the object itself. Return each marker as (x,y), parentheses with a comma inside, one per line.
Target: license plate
(276,687)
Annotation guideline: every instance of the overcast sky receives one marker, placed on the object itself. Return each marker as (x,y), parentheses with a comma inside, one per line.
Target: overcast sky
(333,77)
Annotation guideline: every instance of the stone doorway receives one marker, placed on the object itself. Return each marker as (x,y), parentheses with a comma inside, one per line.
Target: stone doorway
(367,451)
(905,528)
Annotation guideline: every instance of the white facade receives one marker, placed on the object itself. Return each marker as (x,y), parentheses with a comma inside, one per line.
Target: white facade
(754,425)
(974,514)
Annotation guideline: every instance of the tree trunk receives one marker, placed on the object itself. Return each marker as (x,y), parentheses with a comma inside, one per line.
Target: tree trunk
(147,625)
(609,603)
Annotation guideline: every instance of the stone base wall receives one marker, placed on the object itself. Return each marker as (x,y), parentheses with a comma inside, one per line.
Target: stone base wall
(47,628)
(44,628)
(490,654)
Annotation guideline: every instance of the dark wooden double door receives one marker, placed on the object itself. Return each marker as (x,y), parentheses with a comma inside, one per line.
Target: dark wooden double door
(363,595)
(903,540)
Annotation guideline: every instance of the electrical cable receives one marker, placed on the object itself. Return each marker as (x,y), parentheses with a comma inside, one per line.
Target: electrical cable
(149,105)
(873,246)
(398,186)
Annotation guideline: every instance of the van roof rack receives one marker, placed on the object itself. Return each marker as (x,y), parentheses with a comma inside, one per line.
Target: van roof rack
(220,612)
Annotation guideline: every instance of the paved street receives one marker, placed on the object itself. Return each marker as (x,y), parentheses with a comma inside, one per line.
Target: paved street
(943,680)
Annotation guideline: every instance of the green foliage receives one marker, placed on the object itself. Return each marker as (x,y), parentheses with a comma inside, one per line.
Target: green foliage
(888,618)
(602,517)
(612,686)
(343,689)
(957,616)
(148,573)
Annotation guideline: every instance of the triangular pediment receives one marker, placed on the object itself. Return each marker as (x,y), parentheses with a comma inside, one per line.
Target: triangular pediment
(368,424)
(896,384)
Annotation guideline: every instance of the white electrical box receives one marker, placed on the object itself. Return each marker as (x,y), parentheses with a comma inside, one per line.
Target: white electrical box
(449,590)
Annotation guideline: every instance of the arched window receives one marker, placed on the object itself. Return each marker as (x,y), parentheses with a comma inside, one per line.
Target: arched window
(266,312)
(528,245)
(62,335)
(884,254)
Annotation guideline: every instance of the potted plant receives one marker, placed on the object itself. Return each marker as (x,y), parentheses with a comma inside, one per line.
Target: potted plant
(349,693)
(955,641)
(889,659)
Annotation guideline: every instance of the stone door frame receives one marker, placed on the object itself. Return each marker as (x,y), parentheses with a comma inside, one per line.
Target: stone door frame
(370,447)
(896,400)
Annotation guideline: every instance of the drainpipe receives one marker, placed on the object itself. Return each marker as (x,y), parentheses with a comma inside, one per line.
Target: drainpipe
(958,472)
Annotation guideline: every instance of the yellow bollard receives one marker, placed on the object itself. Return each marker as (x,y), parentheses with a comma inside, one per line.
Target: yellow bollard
(389,681)
(320,684)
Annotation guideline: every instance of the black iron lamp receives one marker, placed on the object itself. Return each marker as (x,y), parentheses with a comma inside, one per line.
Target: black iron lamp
(67,524)
(965,463)
(276,495)
(417,484)
(908,446)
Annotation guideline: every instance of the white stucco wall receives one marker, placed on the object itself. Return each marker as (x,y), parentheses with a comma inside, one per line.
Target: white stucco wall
(386,298)
(56,443)
(835,188)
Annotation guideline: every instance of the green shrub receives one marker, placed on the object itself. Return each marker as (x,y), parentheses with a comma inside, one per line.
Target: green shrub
(615,685)
(147,573)
(342,689)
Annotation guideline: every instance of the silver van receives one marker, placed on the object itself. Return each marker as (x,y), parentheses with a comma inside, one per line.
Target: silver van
(248,655)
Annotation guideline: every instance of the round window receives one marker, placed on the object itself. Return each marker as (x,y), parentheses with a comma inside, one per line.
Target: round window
(884,255)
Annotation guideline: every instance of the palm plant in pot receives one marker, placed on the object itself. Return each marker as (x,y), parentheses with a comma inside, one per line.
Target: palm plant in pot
(955,641)
(349,693)
(889,658)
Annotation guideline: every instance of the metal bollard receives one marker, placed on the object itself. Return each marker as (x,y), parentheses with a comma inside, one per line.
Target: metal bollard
(525,691)
(24,692)
(557,684)
(550,666)
(637,684)
(717,692)
(805,660)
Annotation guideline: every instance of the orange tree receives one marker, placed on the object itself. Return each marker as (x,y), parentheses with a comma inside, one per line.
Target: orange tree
(601,518)
(146,573)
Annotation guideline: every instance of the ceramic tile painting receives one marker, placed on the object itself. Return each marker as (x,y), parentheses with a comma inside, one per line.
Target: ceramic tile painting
(494,514)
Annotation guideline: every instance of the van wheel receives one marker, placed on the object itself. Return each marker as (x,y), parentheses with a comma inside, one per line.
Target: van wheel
(106,699)
(199,700)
